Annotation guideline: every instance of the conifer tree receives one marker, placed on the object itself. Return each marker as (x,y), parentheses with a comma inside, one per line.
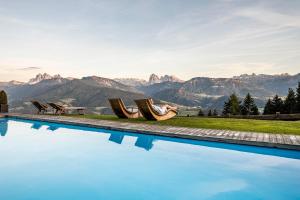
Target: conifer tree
(249,107)
(255,110)
(232,105)
(297,106)
(226,108)
(290,102)
(277,104)
(200,113)
(268,108)
(209,113)
(215,112)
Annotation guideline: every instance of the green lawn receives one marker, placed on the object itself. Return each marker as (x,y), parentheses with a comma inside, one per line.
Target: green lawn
(267,126)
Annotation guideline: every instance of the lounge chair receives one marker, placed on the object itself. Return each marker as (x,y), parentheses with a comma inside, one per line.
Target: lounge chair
(42,108)
(121,111)
(145,107)
(59,109)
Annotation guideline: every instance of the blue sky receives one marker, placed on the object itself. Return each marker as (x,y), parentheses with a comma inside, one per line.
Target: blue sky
(134,38)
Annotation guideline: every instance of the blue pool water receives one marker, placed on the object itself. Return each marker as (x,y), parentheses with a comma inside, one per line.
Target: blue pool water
(41,160)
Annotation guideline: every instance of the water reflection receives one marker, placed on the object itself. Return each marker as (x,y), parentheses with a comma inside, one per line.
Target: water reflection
(145,142)
(3,127)
(52,127)
(117,138)
(36,126)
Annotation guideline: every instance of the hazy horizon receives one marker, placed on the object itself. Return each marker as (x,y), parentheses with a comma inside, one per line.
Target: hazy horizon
(134,38)
(146,79)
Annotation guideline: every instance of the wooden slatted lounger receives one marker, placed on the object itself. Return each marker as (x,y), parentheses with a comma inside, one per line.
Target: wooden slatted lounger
(145,107)
(121,111)
(59,109)
(42,108)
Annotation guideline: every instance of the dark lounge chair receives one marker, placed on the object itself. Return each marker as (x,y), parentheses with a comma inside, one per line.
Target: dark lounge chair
(42,108)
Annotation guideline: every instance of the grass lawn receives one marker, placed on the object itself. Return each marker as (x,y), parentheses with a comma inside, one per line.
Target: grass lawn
(266,126)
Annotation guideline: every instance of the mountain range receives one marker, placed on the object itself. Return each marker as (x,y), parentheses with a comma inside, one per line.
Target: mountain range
(93,91)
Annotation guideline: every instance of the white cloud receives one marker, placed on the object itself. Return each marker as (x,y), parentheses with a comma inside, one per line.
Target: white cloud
(270,17)
(182,39)
(28,68)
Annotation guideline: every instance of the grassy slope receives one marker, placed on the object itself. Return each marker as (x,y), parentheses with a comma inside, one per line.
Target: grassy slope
(267,126)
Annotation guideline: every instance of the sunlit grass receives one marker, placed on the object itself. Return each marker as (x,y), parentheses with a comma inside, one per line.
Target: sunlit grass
(266,126)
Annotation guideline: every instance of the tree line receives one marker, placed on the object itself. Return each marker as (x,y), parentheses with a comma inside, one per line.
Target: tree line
(210,112)
(290,105)
(233,106)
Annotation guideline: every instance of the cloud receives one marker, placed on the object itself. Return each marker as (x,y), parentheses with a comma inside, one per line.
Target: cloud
(7,68)
(270,17)
(28,68)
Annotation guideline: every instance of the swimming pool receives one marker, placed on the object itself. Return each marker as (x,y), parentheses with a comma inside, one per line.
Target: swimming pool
(40,160)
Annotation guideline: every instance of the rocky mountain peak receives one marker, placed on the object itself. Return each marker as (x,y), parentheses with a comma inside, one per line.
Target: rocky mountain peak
(41,77)
(154,79)
(166,78)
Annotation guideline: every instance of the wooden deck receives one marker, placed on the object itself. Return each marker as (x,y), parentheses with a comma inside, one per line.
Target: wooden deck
(282,141)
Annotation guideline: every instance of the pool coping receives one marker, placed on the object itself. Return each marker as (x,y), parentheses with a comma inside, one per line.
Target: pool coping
(282,141)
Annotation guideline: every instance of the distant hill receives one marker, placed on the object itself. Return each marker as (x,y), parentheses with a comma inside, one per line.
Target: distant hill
(132,81)
(153,79)
(77,92)
(211,92)
(94,91)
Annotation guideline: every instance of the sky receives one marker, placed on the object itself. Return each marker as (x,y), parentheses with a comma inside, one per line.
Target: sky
(134,38)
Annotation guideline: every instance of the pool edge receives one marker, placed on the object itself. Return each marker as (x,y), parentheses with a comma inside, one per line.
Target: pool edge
(275,140)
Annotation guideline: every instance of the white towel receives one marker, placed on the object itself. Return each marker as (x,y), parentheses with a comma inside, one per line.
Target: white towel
(159,110)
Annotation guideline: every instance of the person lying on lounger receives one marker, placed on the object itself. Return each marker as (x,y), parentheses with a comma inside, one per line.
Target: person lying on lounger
(162,109)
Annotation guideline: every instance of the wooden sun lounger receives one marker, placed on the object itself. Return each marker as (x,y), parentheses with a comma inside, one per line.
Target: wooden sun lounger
(121,111)
(145,107)
(59,109)
(42,108)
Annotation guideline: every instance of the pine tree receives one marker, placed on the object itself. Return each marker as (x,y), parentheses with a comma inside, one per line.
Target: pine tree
(277,104)
(209,113)
(226,108)
(215,112)
(249,107)
(290,102)
(255,110)
(297,106)
(200,113)
(231,106)
(234,104)
(268,108)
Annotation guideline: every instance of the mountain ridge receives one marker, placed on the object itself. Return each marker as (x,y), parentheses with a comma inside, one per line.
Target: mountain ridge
(205,92)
